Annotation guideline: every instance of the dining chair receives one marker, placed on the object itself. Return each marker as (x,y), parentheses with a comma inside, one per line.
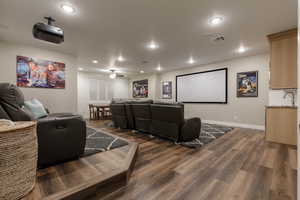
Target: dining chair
(93,113)
(99,113)
(107,112)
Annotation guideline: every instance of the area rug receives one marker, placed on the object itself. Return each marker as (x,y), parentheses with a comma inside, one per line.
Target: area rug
(209,132)
(98,141)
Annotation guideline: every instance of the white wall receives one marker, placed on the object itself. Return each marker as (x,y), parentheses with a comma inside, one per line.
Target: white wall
(57,100)
(119,87)
(247,112)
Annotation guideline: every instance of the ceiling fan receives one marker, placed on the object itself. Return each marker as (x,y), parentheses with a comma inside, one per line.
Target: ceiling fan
(115,75)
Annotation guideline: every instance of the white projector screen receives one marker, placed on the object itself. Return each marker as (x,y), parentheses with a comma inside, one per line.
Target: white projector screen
(202,87)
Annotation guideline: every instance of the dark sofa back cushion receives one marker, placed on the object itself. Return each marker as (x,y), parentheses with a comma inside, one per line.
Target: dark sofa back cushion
(168,113)
(12,101)
(142,116)
(11,94)
(130,116)
(167,120)
(119,115)
(3,114)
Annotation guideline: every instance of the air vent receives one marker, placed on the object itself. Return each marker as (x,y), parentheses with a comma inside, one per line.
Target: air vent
(217,37)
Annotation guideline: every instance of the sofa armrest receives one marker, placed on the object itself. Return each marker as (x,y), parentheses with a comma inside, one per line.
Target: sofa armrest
(60,138)
(191,129)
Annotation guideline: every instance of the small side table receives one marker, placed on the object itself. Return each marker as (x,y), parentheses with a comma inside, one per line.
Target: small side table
(18,156)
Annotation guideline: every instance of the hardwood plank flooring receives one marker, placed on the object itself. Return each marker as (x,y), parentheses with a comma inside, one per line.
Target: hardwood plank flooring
(100,173)
(240,165)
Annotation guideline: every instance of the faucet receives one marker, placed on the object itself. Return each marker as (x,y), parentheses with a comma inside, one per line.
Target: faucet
(292,93)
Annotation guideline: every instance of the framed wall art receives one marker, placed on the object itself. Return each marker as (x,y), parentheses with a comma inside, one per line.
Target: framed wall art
(166,90)
(247,84)
(38,73)
(140,89)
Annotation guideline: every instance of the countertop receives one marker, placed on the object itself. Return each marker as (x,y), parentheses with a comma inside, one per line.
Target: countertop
(295,107)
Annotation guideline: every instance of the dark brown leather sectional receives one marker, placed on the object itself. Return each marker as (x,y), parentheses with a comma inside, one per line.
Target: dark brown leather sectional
(160,119)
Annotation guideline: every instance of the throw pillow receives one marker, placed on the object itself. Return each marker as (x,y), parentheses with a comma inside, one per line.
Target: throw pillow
(36,108)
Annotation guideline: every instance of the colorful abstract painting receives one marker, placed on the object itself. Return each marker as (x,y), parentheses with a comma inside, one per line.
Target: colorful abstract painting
(40,73)
(247,84)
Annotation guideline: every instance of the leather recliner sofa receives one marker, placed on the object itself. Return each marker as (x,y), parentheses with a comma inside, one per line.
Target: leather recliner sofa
(61,136)
(119,117)
(142,116)
(168,121)
(123,114)
(162,119)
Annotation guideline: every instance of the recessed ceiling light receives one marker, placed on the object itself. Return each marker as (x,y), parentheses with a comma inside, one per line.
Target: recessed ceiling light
(216,21)
(113,74)
(68,8)
(95,61)
(120,58)
(158,68)
(80,68)
(242,49)
(153,45)
(142,72)
(191,60)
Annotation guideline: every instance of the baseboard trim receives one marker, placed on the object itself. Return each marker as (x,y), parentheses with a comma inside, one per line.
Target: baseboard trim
(234,124)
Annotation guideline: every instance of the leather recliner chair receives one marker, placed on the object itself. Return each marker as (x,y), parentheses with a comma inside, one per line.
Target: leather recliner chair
(125,118)
(129,111)
(142,116)
(61,136)
(168,121)
(119,117)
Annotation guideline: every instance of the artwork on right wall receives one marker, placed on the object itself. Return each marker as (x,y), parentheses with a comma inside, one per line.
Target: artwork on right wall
(166,90)
(140,89)
(247,84)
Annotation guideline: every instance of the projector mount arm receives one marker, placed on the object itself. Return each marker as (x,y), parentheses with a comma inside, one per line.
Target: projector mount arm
(50,20)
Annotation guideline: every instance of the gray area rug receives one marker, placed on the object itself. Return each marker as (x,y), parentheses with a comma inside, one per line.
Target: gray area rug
(97,141)
(209,132)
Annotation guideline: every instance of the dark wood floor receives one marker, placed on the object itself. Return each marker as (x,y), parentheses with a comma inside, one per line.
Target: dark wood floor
(237,166)
(102,173)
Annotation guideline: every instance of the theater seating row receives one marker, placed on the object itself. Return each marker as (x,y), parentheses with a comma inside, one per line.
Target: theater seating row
(160,119)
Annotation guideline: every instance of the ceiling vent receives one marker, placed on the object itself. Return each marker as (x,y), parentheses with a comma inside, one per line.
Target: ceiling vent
(216,37)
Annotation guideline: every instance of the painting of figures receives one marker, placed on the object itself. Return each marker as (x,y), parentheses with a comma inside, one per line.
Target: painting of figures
(40,73)
(247,84)
(140,89)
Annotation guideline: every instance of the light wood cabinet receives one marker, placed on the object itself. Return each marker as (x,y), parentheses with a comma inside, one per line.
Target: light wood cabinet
(283,61)
(281,125)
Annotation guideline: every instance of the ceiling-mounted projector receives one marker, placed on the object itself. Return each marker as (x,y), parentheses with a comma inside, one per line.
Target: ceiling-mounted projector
(47,32)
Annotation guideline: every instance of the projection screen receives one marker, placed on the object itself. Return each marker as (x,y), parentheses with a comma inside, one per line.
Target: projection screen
(202,87)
